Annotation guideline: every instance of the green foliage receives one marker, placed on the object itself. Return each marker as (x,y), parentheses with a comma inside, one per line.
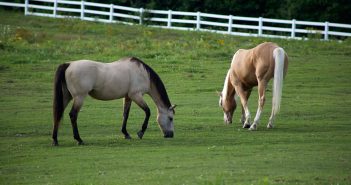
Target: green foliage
(307,10)
(310,144)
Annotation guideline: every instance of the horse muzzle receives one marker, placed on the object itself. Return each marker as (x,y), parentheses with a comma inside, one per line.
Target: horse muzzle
(228,122)
(227,118)
(168,134)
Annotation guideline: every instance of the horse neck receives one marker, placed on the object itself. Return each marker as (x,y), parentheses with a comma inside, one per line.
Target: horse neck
(228,89)
(162,107)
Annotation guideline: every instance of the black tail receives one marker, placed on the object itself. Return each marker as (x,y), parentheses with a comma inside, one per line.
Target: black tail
(58,102)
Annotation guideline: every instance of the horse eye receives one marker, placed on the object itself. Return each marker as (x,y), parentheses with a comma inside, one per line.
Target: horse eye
(170,119)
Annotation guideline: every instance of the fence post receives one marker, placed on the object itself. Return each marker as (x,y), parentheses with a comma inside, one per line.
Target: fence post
(326,29)
(169,21)
(26,2)
(230,24)
(260,26)
(111,12)
(198,21)
(55,8)
(82,10)
(293,27)
(141,15)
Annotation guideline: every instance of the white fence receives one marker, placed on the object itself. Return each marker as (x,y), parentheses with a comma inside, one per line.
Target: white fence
(226,24)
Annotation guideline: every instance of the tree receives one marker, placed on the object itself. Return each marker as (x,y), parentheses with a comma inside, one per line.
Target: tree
(308,10)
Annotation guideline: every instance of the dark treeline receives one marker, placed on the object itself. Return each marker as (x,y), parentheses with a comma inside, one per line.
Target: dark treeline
(338,11)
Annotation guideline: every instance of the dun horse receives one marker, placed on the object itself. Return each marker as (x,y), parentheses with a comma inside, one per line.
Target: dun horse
(250,68)
(128,78)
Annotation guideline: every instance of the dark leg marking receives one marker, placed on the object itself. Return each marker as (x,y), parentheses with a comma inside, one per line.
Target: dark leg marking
(146,121)
(127,105)
(54,135)
(74,115)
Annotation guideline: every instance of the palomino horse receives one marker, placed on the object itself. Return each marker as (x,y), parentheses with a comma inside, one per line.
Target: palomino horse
(249,68)
(129,78)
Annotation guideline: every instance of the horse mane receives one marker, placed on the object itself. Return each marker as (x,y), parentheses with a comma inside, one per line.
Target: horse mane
(156,81)
(225,87)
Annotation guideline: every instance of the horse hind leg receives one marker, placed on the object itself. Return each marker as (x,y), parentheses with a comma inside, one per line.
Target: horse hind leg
(261,100)
(271,120)
(66,99)
(77,105)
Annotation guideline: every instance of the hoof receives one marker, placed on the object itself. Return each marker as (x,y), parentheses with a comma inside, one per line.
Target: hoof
(246,126)
(140,134)
(253,127)
(269,126)
(227,122)
(80,143)
(127,137)
(242,121)
(55,143)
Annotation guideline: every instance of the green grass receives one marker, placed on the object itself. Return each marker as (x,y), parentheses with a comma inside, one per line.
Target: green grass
(310,144)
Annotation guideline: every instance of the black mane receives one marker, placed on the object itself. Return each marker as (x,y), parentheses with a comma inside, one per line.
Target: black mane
(156,80)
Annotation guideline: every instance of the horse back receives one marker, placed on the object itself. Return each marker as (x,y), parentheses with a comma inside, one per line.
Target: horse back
(252,64)
(105,81)
(265,60)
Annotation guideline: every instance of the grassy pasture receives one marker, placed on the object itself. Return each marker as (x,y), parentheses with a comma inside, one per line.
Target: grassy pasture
(310,144)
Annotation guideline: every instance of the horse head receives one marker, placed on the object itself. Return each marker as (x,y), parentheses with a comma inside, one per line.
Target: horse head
(228,104)
(165,121)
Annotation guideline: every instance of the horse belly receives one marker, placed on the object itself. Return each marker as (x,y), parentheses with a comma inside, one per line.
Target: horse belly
(109,94)
(249,80)
(245,76)
(111,87)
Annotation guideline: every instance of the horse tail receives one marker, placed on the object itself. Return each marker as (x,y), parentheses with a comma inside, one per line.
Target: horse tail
(279,56)
(60,97)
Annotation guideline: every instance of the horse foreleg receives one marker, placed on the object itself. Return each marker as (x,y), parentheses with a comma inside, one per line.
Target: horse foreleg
(243,117)
(243,98)
(146,121)
(261,100)
(77,104)
(127,103)
(138,99)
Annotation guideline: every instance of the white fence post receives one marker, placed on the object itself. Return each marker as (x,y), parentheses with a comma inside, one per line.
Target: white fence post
(230,24)
(82,10)
(293,27)
(198,21)
(55,8)
(141,15)
(260,26)
(26,2)
(111,13)
(326,29)
(169,20)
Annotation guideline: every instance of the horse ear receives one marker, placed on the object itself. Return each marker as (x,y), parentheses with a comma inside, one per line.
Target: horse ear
(172,107)
(219,93)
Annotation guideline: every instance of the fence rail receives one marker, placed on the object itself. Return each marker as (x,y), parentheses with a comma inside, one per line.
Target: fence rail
(225,24)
